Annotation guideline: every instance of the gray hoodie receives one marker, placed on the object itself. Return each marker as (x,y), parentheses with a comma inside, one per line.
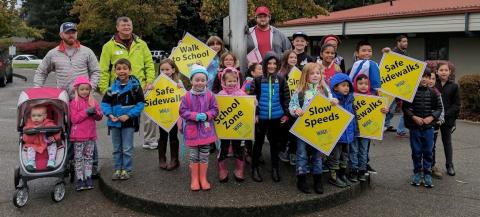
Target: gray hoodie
(279,42)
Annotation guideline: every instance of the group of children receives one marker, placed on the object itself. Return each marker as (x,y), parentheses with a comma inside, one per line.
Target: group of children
(276,110)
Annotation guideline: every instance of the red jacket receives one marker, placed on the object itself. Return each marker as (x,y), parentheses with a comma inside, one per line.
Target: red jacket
(83,126)
(38,141)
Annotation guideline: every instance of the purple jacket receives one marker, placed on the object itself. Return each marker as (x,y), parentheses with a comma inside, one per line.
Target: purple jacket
(199,133)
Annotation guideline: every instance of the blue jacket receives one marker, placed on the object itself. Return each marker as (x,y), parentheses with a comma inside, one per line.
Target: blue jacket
(346,101)
(370,69)
(124,100)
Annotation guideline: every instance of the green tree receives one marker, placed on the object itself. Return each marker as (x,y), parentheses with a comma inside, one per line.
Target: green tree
(11,24)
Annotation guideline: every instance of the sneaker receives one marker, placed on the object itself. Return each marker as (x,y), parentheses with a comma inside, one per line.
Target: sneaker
(153,145)
(293,159)
(428,181)
(353,176)
(371,170)
(146,146)
(391,129)
(80,185)
(361,176)
(30,167)
(402,135)
(436,173)
(416,179)
(124,175)
(116,175)
(284,156)
(89,183)
(50,164)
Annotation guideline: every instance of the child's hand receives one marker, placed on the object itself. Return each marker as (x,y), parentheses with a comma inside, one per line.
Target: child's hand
(386,50)
(334,101)
(51,139)
(123,118)
(428,120)
(283,119)
(298,112)
(418,120)
(113,118)
(384,110)
(180,85)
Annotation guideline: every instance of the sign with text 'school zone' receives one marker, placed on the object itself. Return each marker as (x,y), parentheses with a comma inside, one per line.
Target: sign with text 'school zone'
(400,75)
(236,117)
(322,124)
(162,103)
(191,51)
(293,79)
(370,119)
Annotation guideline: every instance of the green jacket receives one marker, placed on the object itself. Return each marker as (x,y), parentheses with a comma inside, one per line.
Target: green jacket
(139,56)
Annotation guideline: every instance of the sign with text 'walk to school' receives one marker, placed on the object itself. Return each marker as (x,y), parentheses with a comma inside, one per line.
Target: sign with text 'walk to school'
(293,79)
(162,103)
(236,117)
(369,117)
(400,75)
(322,124)
(191,51)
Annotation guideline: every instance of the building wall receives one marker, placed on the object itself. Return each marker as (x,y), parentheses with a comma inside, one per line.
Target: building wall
(464,53)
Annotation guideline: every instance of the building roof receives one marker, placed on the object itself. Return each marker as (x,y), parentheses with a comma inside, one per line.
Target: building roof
(398,9)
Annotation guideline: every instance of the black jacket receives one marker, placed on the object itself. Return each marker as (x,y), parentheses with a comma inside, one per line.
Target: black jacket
(426,103)
(451,101)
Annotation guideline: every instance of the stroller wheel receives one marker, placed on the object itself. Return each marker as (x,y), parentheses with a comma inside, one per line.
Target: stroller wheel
(20,197)
(58,192)
(17,176)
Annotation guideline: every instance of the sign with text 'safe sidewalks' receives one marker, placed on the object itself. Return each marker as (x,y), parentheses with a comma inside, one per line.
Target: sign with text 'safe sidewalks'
(162,103)
(236,117)
(389,99)
(322,124)
(293,79)
(370,119)
(191,51)
(400,75)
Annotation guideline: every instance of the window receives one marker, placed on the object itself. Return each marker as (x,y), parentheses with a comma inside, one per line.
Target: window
(436,48)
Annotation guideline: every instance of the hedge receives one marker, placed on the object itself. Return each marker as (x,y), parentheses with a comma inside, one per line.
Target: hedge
(470,97)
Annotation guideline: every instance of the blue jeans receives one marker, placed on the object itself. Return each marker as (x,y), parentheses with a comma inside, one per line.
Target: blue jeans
(122,139)
(401,125)
(359,154)
(303,150)
(421,142)
(389,115)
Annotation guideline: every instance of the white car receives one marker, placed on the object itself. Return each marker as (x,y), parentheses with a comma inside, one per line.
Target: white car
(26,59)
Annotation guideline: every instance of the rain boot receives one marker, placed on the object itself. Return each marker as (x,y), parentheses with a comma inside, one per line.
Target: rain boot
(162,149)
(194,172)
(174,162)
(222,171)
(342,174)
(317,183)
(302,184)
(335,179)
(203,177)
(239,170)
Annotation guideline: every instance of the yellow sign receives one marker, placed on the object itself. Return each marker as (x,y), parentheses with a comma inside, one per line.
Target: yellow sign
(400,75)
(293,79)
(369,117)
(162,103)
(191,51)
(389,99)
(236,117)
(322,124)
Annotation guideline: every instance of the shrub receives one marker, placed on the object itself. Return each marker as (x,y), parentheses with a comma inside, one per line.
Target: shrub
(470,97)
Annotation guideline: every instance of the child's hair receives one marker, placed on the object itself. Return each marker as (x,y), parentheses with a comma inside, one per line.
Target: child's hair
(224,55)
(123,61)
(173,65)
(215,39)
(39,107)
(362,43)
(450,65)
(285,68)
(325,46)
(250,69)
(361,77)
(307,69)
(427,73)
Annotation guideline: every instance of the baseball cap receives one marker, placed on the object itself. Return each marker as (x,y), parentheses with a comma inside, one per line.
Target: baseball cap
(68,26)
(300,34)
(262,10)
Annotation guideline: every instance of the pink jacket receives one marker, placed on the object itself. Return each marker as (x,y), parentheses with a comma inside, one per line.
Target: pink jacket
(231,91)
(83,126)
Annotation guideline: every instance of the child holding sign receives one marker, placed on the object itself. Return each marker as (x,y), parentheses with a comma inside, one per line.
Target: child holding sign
(253,71)
(327,55)
(216,44)
(273,97)
(311,84)
(338,160)
(420,116)
(168,67)
(198,109)
(231,87)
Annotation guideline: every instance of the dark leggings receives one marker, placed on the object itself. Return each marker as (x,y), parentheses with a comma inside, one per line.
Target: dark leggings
(287,138)
(446,132)
(164,135)
(270,128)
(237,149)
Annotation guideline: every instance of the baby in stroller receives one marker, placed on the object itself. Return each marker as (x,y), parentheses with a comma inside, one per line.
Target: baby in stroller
(39,142)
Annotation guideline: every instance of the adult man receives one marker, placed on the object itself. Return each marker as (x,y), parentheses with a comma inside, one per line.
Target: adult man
(265,37)
(70,60)
(125,44)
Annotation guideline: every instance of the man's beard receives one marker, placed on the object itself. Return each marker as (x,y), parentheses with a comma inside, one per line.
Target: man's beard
(67,41)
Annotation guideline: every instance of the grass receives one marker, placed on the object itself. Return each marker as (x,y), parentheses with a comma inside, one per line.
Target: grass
(25,66)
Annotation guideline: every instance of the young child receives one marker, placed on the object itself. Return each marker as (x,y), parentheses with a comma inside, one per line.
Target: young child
(327,54)
(360,147)
(169,68)
(228,59)
(338,160)
(122,104)
(273,97)
(311,84)
(84,111)
(231,87)
(300,43)
(37,143)
(451,100)
(254,71)
(288,61)
(198,109)
(436,173)
(364,65)
(420,115)
(335,42)
(216,44)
